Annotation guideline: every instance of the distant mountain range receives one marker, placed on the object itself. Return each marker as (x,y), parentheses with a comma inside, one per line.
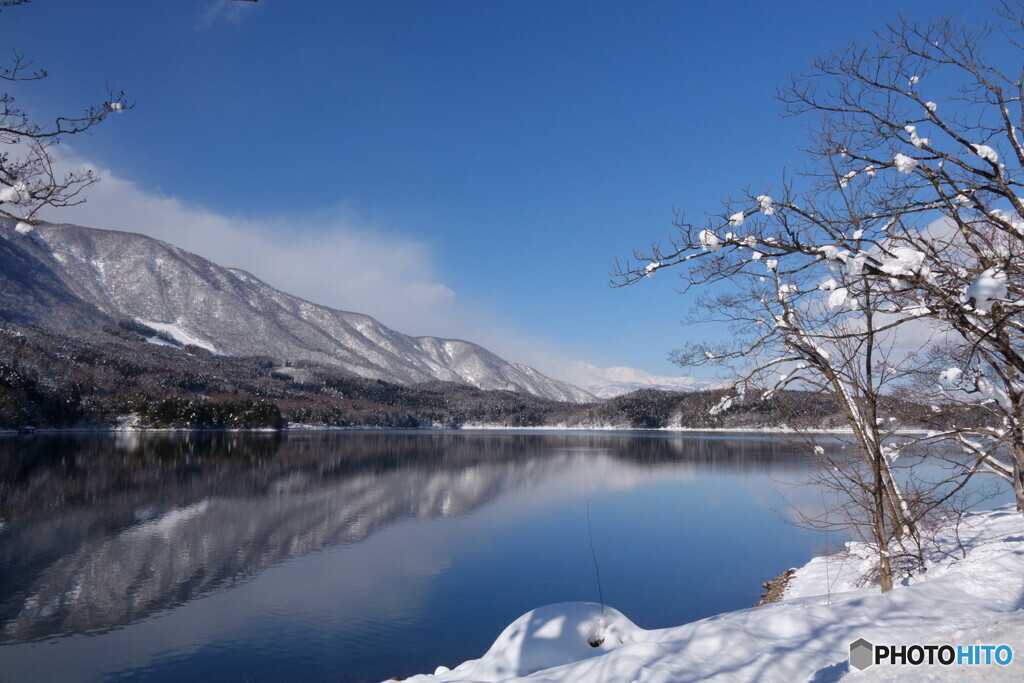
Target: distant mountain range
(612,382)
(71,279)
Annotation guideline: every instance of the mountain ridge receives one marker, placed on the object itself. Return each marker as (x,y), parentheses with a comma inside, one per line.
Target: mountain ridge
(80,272)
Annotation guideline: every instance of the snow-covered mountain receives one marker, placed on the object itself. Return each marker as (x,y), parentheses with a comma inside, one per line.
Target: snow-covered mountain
(612,382)
(61,275)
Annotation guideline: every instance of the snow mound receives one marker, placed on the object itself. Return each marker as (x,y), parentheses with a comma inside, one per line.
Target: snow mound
(547,637)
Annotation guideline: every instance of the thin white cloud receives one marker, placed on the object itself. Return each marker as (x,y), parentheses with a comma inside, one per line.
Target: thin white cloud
(325,257)
(224,10)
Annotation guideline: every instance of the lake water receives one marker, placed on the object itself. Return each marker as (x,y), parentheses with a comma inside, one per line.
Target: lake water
(357,556)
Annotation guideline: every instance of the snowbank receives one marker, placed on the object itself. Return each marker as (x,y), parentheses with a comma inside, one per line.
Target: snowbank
(972,593)
(566,633)
(562,427)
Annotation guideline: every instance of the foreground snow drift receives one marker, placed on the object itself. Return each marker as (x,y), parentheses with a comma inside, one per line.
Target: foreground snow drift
(971,594)
(549,636)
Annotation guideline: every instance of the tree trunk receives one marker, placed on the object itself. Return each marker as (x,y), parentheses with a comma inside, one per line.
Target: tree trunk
(1018,475)
(882,499)
(884,571)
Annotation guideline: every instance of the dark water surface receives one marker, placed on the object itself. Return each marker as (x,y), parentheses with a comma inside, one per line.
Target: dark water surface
(352,556)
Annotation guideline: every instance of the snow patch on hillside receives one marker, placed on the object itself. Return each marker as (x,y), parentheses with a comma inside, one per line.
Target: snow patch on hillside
(177,334)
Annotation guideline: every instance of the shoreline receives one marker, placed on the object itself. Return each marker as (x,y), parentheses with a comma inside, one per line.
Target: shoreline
(30,431)
(775,589)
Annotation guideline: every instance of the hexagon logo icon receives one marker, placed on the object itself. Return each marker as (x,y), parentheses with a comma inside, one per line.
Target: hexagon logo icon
(862,654)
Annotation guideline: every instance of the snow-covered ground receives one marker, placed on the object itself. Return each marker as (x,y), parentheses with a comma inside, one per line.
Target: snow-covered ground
(562,427)
(971,594)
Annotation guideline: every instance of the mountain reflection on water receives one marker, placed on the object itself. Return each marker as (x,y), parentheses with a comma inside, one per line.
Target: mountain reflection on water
(99,531)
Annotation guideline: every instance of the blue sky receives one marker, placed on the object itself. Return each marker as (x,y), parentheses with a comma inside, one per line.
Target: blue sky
(467,168)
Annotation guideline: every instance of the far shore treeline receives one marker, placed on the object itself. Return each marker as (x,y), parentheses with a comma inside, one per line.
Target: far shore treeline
(114,377)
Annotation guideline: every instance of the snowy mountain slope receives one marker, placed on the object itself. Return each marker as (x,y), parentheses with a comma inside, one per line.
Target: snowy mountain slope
(228,311)
(612,382)
(31,291)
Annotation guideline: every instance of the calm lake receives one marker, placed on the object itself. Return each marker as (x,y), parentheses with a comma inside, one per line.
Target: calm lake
(357,556)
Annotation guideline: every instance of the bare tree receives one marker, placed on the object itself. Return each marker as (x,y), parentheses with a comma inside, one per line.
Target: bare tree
(905,226)
(29,178)
(928,118)
(799,318)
